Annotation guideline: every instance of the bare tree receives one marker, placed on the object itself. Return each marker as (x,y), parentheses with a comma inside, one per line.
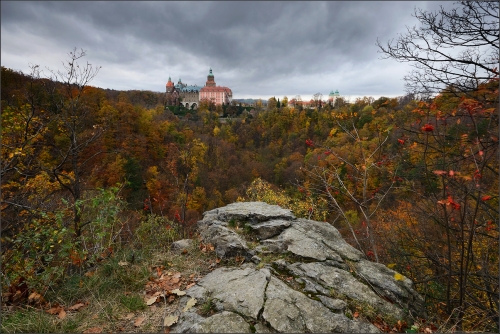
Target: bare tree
(455,54)
(456,49)
(76,128)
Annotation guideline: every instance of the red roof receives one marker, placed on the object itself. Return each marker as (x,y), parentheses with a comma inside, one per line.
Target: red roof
(216,89)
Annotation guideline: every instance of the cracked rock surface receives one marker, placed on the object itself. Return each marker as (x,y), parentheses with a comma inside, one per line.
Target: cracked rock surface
(308,278)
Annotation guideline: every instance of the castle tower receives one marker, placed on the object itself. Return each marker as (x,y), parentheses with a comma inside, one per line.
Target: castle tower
(210,79)
(170,86)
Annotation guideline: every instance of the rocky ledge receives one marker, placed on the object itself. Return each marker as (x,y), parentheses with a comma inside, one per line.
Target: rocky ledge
(289,275)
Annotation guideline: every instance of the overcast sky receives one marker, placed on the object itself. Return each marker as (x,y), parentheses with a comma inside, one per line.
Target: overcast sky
(258,49)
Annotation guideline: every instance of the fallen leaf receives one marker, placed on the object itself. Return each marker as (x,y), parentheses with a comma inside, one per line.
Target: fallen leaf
(95,316)
(123,263)
(171,299)
(189,304)
(129,316)
(190,285)
(90,274)
(398,277)
(138,322)
(35,298)
(217,260)
(54,310)
(93,330)
(151,301)
(356,314)
(191,276)
(62,314)
(184,251)
(179,292)
(76,307)
(170,320)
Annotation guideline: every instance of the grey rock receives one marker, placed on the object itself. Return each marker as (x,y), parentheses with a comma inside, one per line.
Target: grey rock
(255,259)
(358,326)
(180,245)
(252,212)
(301,243)
(336,264)
(186,321)
(272,246)
(383,281)
(280,264)
(269,229)
(336,305)
(260,328)
(344,283)
(287,310)
(225,322)
(330,237)
(227,243)
(240,291)
(246,295)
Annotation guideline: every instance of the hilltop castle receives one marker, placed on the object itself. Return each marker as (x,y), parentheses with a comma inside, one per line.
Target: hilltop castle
(190,96)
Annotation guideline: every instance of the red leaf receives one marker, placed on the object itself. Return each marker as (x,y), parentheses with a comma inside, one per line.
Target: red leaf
(428,128)
(486,198)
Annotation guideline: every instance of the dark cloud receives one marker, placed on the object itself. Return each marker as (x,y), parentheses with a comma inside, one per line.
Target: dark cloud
(255,48)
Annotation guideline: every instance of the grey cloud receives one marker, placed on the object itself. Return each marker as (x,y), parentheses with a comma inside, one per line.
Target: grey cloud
(256,48)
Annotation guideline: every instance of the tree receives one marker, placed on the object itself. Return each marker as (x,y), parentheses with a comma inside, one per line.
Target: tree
(456,49)
(271,103)
(74,129)
(355,181)
(452,166)
(317,100)
(284,101)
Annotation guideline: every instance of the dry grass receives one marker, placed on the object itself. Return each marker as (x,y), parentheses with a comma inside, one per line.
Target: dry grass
(114,295)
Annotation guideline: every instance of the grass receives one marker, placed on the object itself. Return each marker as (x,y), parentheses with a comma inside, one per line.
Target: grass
(33,321)
(132,302)
(111,290)
(208,307)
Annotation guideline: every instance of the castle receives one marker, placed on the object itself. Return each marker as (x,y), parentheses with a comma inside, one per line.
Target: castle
(190,96)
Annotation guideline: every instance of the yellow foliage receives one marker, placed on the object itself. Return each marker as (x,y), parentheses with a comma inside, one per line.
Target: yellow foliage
(398,277)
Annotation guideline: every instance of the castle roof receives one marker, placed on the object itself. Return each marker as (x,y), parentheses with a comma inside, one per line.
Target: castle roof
(216,89)
(187,89)
(170,83)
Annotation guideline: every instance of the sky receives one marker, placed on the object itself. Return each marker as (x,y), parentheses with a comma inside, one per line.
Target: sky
(258,49)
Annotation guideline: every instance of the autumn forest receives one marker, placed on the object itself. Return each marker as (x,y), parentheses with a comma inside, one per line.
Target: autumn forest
(412,181)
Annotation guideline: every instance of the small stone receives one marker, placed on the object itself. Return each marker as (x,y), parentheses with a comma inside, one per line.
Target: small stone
(337,305)
(255,259)
(181,245)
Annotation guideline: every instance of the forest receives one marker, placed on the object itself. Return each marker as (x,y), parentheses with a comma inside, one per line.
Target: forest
(412,182)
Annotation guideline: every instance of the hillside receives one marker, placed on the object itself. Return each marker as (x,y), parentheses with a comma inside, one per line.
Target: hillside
(92,178)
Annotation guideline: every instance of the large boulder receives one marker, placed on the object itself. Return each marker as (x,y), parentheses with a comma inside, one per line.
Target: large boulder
(307,278)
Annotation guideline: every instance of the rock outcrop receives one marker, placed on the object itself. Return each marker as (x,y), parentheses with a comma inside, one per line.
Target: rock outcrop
(299,276)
